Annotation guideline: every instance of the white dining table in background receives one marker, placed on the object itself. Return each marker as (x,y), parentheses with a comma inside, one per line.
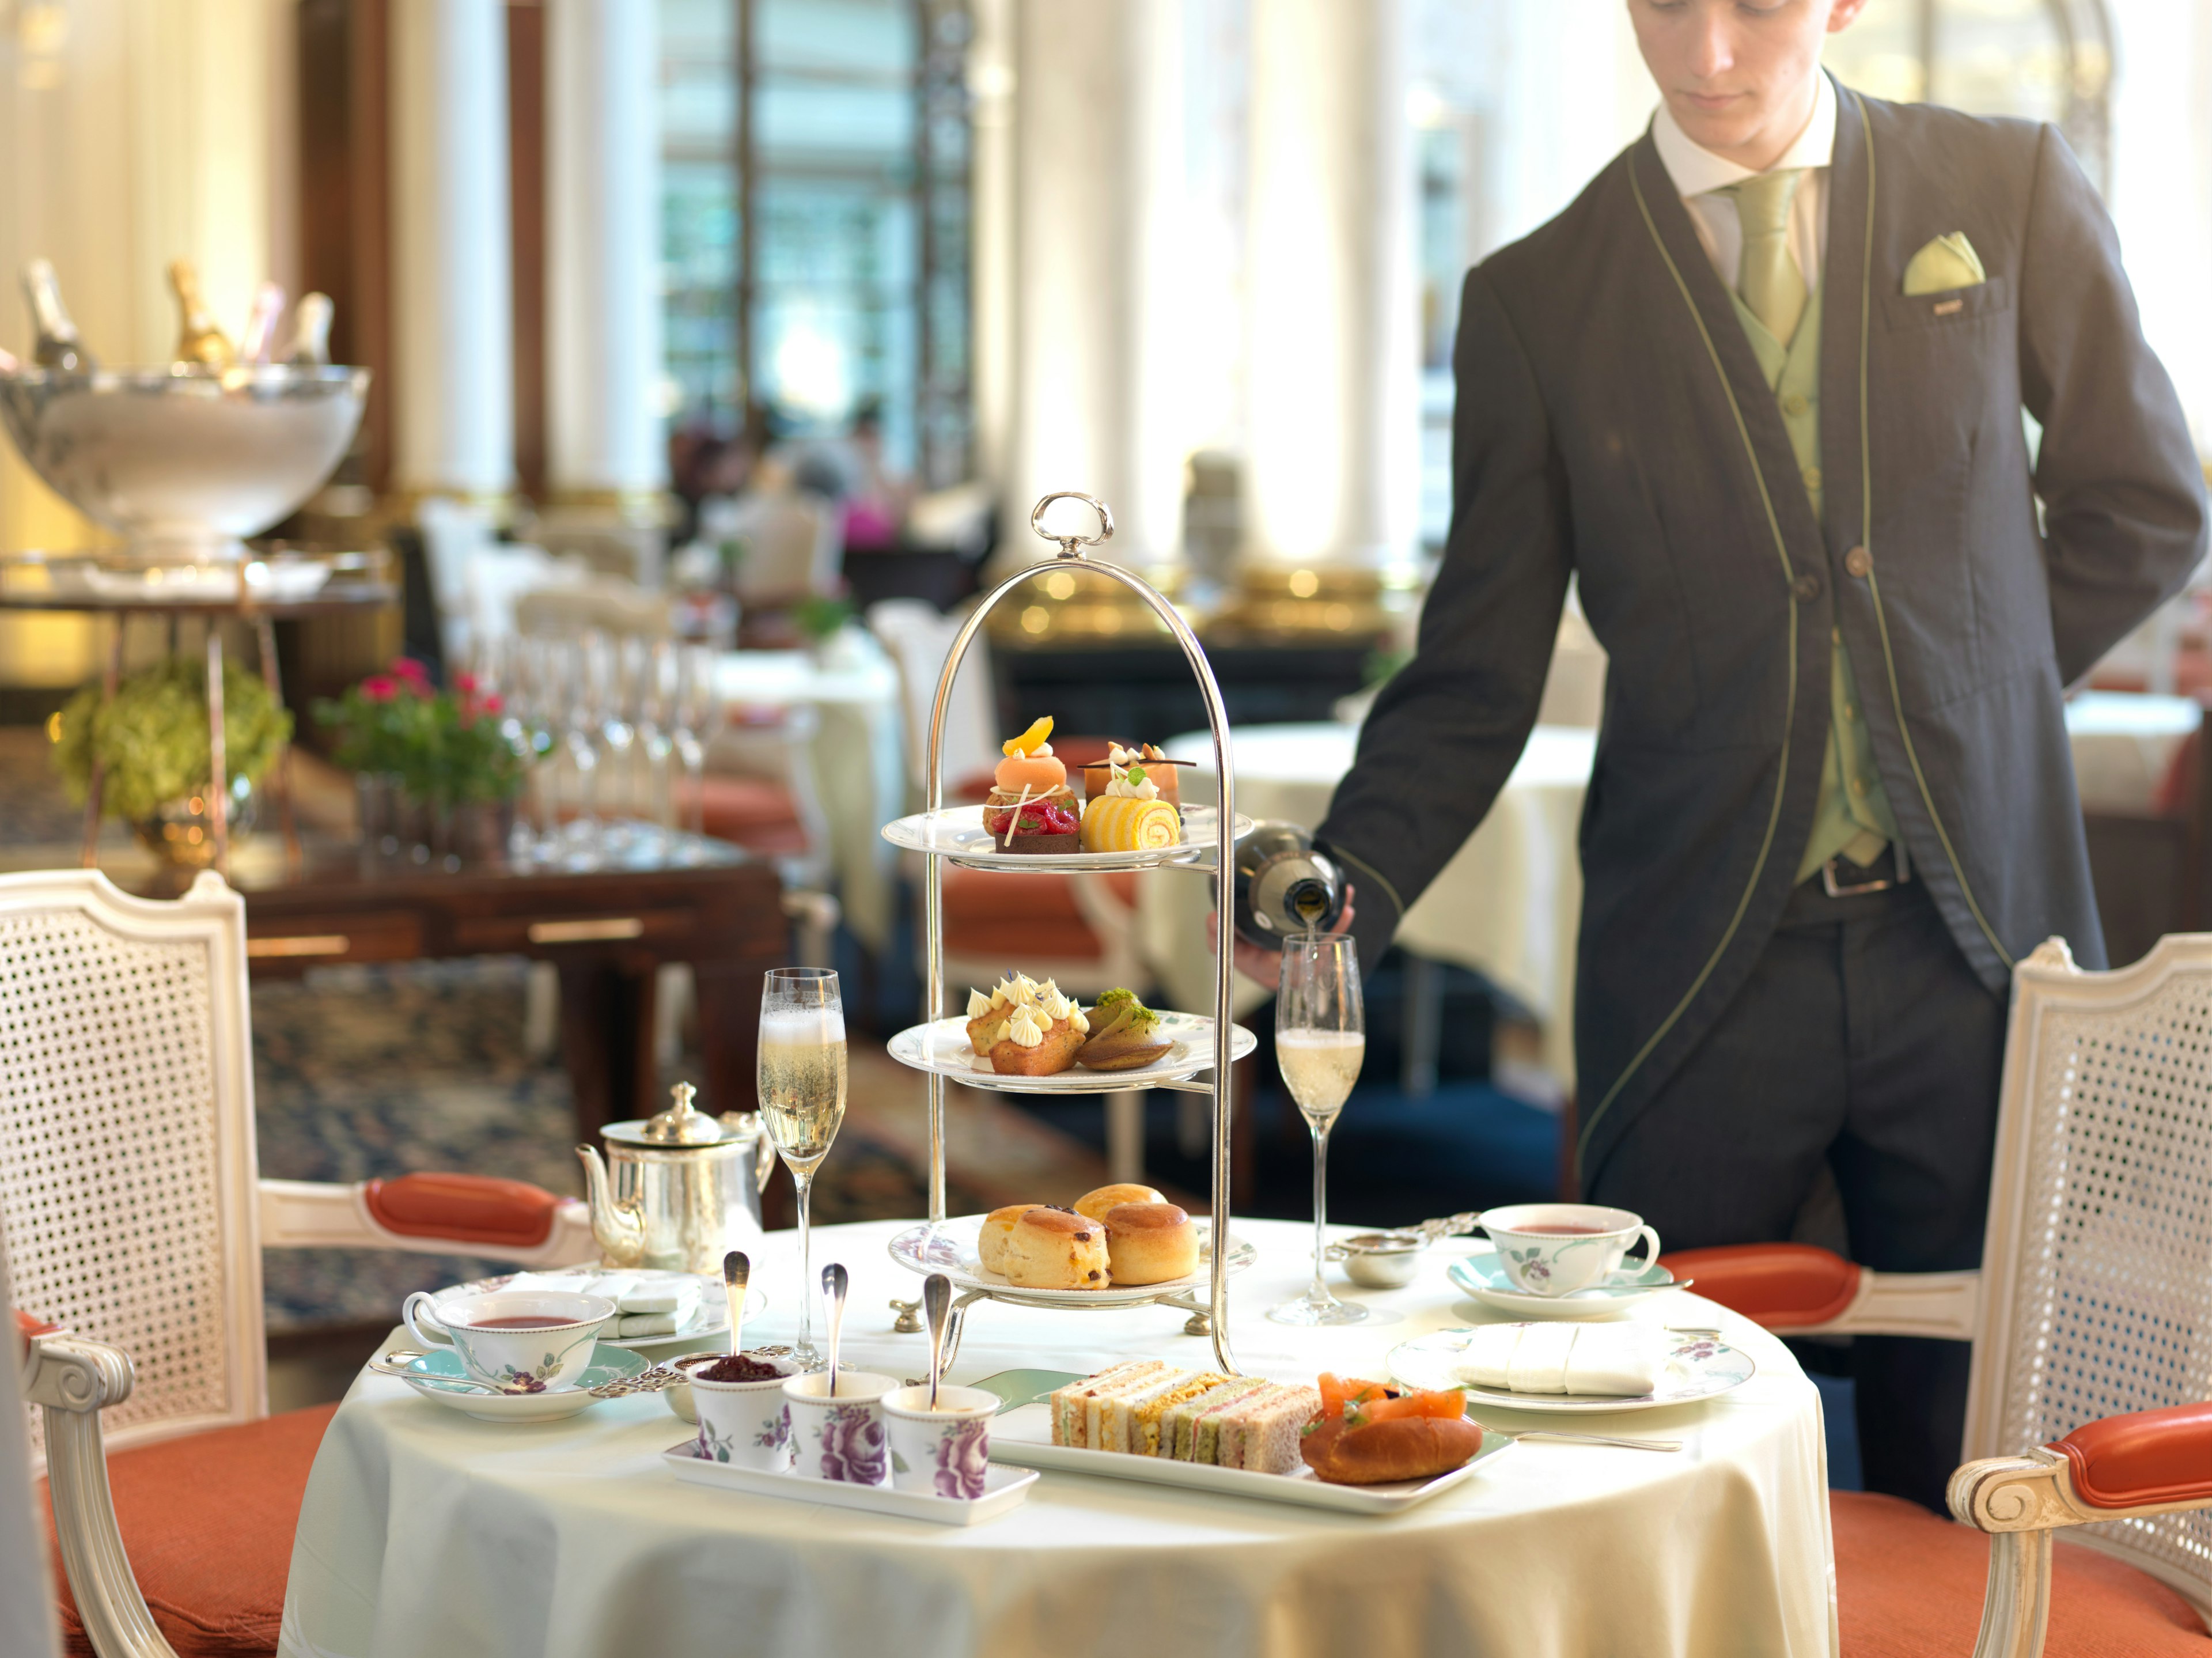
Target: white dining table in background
(857,752)
(426,1531)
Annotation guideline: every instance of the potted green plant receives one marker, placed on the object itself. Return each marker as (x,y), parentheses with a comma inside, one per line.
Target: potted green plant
(150,740)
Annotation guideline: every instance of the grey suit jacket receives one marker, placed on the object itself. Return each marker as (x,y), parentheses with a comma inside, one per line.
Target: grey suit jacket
(1611,424)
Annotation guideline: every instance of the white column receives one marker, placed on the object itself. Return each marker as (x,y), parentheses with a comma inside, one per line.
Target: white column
(1097,184)
(602,331)
(453,308)
(1333,359)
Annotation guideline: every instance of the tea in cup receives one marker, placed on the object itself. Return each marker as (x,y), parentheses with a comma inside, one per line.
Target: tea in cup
(842,1438)
(944,1452)
(744,1420)
(520,1341)
(1557,1248)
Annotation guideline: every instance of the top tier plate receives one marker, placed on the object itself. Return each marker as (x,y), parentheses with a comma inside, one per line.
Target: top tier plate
(956,832)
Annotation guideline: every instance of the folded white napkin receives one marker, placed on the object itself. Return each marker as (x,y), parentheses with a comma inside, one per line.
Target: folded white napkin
(668,1295)
(646,1306)
(613,1285)
(633,1325)
(1616,1359)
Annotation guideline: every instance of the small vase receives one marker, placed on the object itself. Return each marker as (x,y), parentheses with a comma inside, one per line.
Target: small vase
(378,798)
(480,830)
(181,833)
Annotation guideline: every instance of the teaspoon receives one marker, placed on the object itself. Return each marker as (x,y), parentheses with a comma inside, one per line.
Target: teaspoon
(937,1299)
(737,1273)
(834,1285)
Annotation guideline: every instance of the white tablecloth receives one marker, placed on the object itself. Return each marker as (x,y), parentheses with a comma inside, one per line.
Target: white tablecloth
(1507,906)
(426,1532)
(2123,744)
(860,766)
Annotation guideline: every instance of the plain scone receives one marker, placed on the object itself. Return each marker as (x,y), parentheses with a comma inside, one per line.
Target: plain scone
(1050,1248)
(1150,1242)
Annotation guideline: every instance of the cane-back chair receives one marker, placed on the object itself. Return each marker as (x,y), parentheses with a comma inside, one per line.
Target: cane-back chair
(2091,1320)
(134,1218)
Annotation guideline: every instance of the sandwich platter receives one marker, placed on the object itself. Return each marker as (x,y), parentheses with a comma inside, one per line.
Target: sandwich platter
(1022,1435)
(950,1247)
(943,1046)
(1699,1365)
(956,833)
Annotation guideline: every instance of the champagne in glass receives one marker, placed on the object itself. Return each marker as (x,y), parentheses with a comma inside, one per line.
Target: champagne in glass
(1320,1040)
(802,1097)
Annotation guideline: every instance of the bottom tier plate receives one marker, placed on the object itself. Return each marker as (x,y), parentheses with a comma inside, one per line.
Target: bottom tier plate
(950,1248)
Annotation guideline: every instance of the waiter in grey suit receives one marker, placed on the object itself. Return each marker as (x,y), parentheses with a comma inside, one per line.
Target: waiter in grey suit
(1759,390)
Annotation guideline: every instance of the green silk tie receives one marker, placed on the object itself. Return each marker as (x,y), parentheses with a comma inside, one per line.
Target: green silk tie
(1768,278)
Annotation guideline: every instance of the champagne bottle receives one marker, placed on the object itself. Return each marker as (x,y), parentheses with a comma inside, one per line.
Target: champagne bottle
(57,346)
(199,342)
(1285,884)
(260,336)
(311,333)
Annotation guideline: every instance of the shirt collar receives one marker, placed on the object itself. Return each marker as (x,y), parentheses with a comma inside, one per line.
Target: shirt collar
(1696,170)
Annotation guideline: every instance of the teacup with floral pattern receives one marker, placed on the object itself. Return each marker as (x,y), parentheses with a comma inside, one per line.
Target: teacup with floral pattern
(520,1341)
(841,1437)
(1557,1248)
(944,1452)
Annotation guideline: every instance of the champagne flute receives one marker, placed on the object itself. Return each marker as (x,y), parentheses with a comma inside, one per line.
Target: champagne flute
(692,715)
(1320,1040)
(802,1097)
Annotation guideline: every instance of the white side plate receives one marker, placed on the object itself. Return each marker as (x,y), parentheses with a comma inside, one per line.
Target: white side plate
(950,1249)
(1698,1367)
(1003,1489)
(1023,1434)
(956,832)
(943,1046)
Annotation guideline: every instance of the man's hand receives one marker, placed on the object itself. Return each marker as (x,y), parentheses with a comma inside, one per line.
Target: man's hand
(1265,966)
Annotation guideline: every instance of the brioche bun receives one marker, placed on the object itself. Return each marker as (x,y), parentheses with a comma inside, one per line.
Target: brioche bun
(1094,1205)
(1404,1448)
(1150,1243)
(1050,1248)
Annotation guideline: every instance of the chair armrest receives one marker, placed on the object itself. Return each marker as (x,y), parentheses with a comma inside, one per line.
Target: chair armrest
(73,1379)
(1799,1290)
(444,1214)
(2144,1462)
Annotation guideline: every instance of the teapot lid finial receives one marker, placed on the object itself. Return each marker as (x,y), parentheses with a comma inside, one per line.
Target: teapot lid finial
(680,1125)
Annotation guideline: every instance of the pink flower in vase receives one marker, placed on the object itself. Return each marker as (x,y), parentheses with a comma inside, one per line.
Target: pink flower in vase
(379,687)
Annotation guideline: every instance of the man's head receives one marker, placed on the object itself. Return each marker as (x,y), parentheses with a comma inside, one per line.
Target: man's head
(1738,75)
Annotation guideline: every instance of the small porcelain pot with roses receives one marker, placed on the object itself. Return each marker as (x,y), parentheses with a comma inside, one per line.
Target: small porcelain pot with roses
(744,1423)
(944,1452)
(842,1438)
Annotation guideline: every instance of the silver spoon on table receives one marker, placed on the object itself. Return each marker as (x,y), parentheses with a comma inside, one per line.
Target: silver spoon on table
(737,1273)
(936,1301)
(834,1285)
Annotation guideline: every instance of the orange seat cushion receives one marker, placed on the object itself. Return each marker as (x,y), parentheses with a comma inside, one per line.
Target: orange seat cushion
(208,1522)
(1783,1286)
(756,815)
(1909,1585)
(1022,916)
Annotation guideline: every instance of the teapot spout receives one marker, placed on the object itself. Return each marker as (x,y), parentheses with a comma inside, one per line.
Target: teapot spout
(619,1228)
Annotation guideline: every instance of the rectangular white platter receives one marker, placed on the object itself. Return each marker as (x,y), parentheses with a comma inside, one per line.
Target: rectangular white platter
(1003,1489)
(1023,1434)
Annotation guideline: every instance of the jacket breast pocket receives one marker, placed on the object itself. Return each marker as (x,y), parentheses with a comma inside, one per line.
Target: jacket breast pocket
(1954,308)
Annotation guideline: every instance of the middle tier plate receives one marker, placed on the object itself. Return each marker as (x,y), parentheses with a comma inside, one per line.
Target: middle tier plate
(956,832)
(950,1247)
(943,1046)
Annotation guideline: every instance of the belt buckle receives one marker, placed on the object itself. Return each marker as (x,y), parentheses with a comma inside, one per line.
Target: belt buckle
(1828,884)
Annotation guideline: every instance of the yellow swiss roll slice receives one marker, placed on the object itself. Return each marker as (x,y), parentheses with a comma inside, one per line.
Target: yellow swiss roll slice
(1119,823)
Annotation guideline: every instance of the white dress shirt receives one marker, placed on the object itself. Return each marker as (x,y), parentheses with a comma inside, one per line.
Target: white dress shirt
(1700,176)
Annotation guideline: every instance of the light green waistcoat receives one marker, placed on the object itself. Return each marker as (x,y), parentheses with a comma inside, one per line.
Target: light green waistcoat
(1853,816)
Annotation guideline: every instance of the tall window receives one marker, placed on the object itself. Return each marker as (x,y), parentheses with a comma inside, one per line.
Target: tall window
(816,218)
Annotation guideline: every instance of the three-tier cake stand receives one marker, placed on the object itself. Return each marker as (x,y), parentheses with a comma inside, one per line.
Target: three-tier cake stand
(1206,847)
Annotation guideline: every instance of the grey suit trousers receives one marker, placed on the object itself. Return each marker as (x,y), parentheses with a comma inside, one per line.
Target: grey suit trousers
(1863,1040)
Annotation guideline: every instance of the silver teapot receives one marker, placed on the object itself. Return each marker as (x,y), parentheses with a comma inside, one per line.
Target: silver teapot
(679,1190)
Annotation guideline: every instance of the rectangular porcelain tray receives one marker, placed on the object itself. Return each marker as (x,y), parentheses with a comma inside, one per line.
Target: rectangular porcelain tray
(1003,1489)
(1023,1434)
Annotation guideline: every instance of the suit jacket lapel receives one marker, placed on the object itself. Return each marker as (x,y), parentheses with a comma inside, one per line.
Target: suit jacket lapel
(1716,313)
(1843,324)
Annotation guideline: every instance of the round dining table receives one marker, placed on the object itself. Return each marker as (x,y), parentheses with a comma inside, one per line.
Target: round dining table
(425,1531)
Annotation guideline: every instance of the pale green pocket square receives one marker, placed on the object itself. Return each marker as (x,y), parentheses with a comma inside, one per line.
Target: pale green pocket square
(1946,263)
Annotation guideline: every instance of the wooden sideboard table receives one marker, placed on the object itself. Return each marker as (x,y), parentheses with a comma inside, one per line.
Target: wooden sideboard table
(606,930)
